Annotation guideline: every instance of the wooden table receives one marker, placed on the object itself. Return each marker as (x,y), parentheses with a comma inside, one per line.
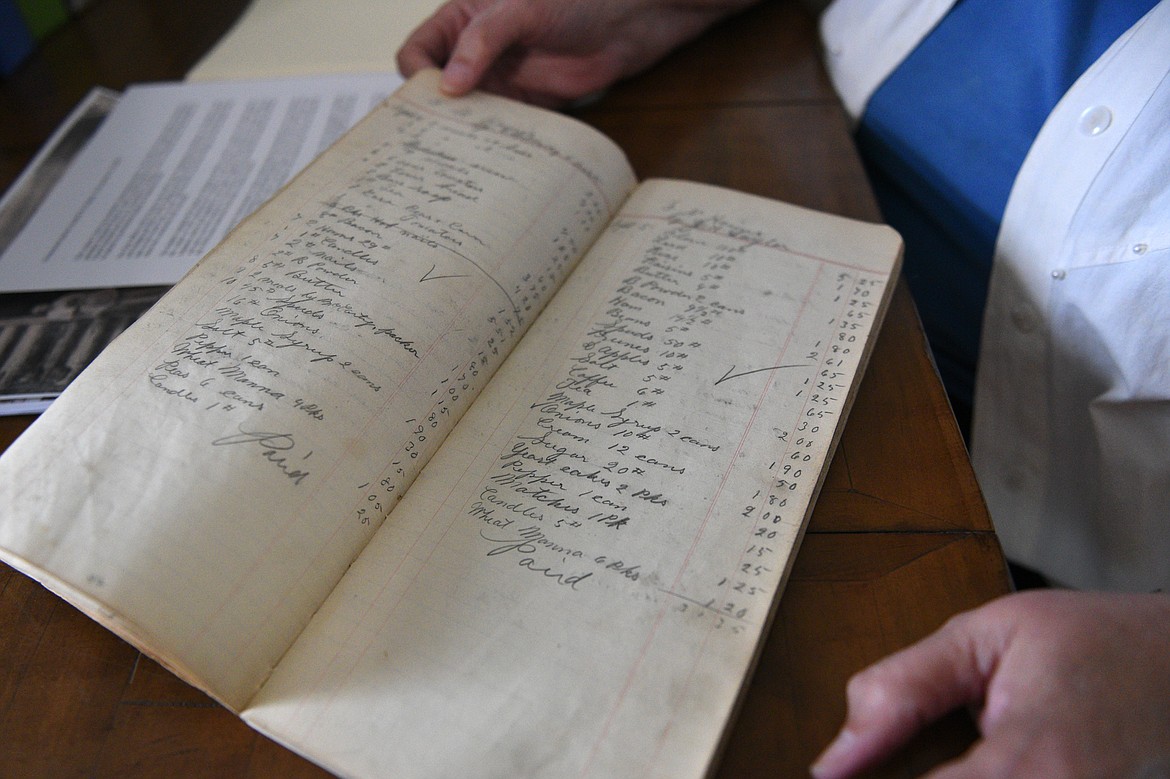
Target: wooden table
(899,541)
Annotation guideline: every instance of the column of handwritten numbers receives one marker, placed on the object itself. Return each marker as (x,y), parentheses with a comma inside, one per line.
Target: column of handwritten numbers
(746,593)
(451,395)
(566,246)
(857,297)
(533,287)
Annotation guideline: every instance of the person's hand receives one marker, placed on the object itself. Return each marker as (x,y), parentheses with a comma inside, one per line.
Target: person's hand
(1067,685)
(551,52)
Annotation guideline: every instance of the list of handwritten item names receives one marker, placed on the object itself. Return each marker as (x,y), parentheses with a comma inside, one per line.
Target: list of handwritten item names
(695,405)
(406,288)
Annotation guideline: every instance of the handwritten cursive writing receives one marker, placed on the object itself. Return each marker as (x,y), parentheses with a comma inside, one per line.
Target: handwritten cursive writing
(276,448)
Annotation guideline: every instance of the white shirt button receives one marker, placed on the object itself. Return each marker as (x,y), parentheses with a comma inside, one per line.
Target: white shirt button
(1095,120)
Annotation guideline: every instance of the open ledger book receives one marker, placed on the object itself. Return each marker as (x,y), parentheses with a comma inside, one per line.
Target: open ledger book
(345,479)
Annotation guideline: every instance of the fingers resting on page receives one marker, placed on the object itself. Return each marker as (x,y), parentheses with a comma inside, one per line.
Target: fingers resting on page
(552,52)
(1066,684)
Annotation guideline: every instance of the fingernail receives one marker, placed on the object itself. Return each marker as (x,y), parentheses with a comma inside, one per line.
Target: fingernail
(456,78)
(828,764)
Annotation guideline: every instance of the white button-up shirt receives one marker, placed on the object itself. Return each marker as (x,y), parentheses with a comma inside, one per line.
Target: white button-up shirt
(1071,435)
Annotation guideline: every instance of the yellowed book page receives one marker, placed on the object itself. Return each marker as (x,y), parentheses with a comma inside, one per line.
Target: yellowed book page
(202,488)
(577,583)
(309,37)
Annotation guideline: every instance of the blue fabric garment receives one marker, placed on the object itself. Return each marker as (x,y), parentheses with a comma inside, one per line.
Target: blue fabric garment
(943,138)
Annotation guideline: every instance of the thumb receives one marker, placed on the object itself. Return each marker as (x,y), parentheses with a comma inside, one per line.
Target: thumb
(893,699)
(485,39)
